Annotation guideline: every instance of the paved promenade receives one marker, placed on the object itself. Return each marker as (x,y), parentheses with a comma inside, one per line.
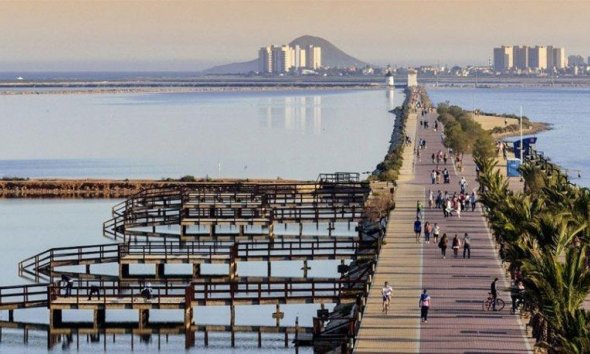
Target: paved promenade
(457,286)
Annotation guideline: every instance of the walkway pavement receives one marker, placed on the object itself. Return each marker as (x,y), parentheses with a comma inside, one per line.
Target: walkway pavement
(457,286)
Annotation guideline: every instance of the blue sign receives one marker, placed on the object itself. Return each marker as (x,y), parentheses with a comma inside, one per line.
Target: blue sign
(512,166)
(526,142)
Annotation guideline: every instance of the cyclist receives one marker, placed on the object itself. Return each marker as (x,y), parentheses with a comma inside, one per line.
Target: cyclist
(494,293)
(517,295)
(386,292)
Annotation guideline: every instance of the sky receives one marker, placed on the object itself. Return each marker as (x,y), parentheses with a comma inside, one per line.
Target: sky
(119,35)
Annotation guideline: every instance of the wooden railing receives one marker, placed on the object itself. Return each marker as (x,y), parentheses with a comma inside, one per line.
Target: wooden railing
(23,296)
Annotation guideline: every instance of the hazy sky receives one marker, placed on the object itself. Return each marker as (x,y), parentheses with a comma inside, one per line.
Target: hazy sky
(191,35)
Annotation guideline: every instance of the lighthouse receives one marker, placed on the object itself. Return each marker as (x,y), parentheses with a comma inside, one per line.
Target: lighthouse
(389,77)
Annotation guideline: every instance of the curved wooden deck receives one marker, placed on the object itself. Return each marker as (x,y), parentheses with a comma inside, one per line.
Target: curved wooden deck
(456,323)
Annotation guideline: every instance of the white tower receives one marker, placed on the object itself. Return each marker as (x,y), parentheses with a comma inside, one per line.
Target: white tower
(389,77)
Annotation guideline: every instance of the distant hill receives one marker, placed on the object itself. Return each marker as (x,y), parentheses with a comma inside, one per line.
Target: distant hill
(331,56)
(234,68)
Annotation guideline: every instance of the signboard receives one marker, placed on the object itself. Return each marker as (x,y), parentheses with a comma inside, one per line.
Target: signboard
(527,143)
(512,166)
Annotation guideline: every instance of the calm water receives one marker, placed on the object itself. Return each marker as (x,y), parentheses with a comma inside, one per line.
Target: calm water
(291,134)
(31,226)
(288,134)
(567,109)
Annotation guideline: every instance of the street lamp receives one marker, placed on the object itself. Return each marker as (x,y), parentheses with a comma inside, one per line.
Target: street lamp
(521,146)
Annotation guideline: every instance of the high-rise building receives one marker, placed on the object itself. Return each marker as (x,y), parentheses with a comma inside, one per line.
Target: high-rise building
(282,59)
(550,58)
(313,57)
(538,58)
(521,57)
(265,60)
(503,58)
(299,57)
(559,58)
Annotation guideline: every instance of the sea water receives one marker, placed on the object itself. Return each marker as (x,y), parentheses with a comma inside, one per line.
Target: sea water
(292,134)
(288,134)
(567,109)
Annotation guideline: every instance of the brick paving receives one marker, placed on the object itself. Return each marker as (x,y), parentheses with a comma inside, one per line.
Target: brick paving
(457,286)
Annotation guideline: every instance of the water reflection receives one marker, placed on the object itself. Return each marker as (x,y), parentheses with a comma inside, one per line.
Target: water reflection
(390,99)
(300,113)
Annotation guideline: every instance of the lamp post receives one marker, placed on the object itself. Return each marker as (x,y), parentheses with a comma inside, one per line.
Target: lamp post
(521,146)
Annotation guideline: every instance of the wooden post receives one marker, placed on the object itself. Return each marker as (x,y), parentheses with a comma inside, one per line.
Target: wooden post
(55,318)
(144,318)
(123,270)
(232,322)
(196,270)
(233,265)
(161,271)
(297,335)
(259,338)
(99,318)
(189,335)
(305,268)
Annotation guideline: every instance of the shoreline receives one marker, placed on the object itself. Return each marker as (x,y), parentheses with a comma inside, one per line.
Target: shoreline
(88,188)
(84,90)
(536,128)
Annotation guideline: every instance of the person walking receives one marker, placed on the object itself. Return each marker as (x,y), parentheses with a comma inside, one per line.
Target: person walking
(430,199)
(424,305)
(494,293)
(472,200)
(443,244)
(417,229)
(433,176)
(456,244)
(467,245)
(427,232)
(386,292)
(439,199)
(435,233)
(463,184)
(419,210)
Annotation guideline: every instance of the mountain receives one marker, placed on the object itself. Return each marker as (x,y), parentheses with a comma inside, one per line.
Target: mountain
(331,56)
(234,68)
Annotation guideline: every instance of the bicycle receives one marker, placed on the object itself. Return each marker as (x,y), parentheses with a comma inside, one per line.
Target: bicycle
(488,304)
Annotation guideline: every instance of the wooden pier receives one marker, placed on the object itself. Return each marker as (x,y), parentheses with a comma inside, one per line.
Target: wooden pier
(210,206)
(239,220)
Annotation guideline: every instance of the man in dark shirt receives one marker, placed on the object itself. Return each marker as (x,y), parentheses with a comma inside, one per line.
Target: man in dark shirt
(494,293)
(417,229)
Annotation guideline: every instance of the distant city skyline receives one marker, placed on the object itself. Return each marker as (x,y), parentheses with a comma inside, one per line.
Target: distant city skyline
(194,35)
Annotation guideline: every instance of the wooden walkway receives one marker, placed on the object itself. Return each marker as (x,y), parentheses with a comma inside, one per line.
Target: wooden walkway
(458,286)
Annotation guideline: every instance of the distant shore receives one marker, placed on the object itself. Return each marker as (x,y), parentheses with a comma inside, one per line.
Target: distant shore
(76,88)
(100,188)
(241,83)
(510,124)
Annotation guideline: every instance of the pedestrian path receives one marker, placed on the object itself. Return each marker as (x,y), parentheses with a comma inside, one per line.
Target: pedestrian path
(400,264)
(457,286)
